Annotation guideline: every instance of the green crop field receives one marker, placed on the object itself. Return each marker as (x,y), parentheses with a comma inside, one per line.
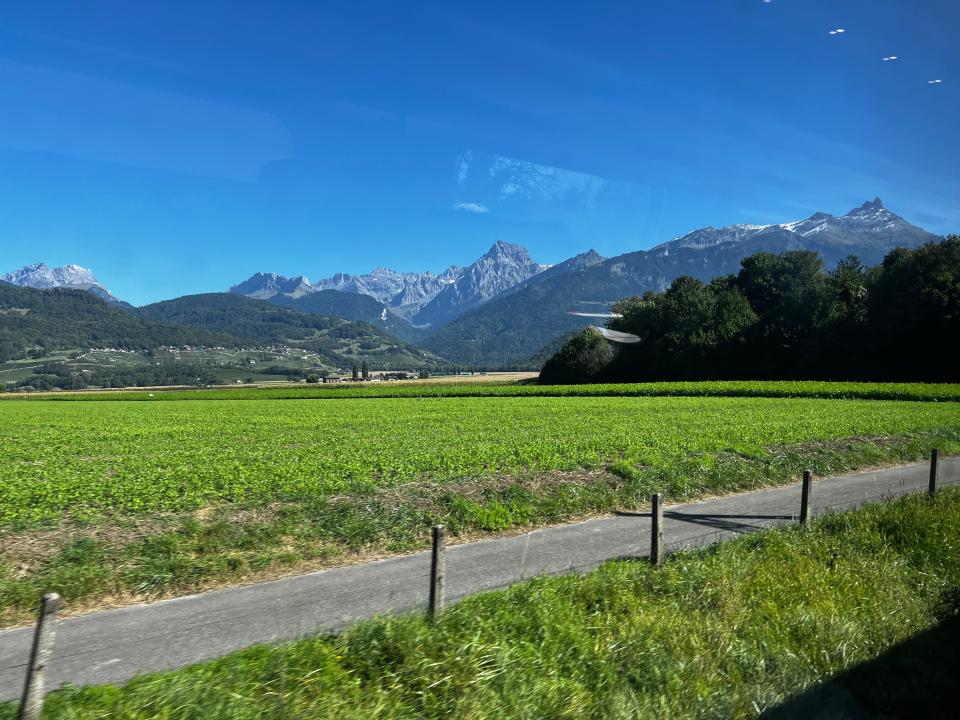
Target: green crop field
(145,499)
(93,458)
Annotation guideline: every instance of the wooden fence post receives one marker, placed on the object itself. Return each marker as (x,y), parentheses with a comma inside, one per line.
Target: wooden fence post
(656,530)
(437,571)
(933,471)
(805,498)
(32,704)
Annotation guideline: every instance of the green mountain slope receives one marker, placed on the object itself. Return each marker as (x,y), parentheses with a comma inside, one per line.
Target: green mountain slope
(352,306)
(61,319)
(339,342)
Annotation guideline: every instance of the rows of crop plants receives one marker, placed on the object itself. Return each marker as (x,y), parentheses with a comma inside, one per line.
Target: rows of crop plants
(719,388)
(855,617)
(64,458)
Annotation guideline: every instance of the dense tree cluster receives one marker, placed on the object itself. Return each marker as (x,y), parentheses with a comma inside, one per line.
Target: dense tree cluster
(784,317)
(62,376)
(583,357)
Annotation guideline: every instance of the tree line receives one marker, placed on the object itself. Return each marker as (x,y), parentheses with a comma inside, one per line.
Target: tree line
(786,317)
(62,376)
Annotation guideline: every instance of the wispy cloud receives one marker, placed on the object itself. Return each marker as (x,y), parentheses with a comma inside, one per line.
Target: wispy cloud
(471,207)
(533,181)
(463,167)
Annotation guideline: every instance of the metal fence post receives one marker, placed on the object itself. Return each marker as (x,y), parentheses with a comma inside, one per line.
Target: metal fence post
(656,530)
(805,498)
(32,704)
(437,571)
(933,471)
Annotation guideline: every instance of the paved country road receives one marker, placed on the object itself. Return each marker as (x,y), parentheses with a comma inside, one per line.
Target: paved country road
(114,645)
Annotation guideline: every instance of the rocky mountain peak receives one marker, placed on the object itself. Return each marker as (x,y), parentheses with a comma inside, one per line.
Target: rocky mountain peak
(42,276)
(868,207)
(263,286)
(502,267)
(503,249)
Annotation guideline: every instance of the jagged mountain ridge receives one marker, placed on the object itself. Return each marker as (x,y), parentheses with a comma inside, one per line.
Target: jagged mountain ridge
(575,264)
(263,286)
(405,293)
(41,276)
(866,228)
(515,326)
(425,299)
(354,304)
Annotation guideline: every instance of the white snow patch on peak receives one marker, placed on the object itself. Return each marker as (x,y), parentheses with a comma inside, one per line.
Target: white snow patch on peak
(42,276)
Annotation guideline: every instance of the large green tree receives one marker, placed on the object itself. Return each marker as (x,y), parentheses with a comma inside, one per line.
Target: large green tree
(581,359)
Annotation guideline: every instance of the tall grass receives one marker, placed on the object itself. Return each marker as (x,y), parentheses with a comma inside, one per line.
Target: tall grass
(728,632)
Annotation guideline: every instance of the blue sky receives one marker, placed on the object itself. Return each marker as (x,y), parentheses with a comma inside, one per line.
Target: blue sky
(180,147)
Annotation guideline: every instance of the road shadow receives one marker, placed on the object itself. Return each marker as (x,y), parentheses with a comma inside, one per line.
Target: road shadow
(919,678)
(718,521)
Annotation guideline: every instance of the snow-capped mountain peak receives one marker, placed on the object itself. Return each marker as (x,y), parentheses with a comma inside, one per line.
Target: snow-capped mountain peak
(870,225)
(43,277)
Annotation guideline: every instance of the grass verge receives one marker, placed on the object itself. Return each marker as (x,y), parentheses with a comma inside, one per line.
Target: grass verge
(731,632)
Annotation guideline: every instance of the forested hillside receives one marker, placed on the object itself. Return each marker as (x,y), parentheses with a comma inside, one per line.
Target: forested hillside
(38,321)
(260,322)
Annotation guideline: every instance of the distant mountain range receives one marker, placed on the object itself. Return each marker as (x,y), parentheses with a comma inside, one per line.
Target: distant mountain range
(868,231)
(424,299)
(405,293)
(517,325)
(505,308)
